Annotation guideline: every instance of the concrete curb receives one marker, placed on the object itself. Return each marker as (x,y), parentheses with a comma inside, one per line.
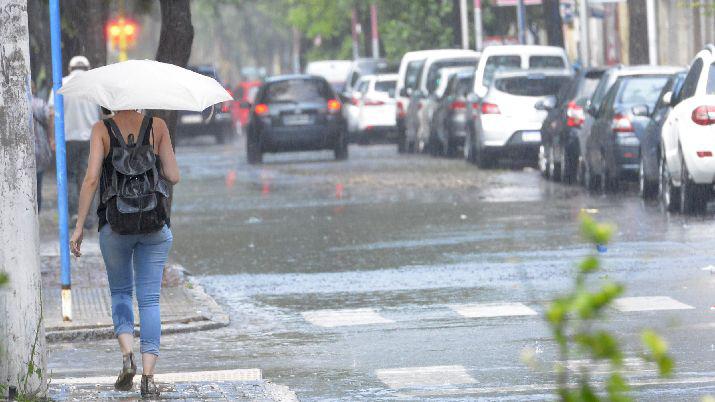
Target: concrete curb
(215,318)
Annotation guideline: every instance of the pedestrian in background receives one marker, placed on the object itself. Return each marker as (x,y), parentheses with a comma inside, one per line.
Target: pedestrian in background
(80,116)
(131,154)
(44,143)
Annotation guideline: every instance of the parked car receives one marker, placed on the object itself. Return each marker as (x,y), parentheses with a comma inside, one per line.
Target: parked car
(508,117)
(244,95)
(296,113)
(411,66)
(428,106)
(517,57)
(650,150)
(612,144)
(559,152)
(215,121)
(449,121)
(417,133)
(376,109)
(351,107)
(351,91)
(688,139)
(334,71)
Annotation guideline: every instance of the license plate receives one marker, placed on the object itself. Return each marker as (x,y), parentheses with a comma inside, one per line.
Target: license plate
(192,119)
(531,136)
(297,119)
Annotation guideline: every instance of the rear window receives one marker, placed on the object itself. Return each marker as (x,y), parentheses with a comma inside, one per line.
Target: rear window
(412,73)
(300,90)
(530,86)
(385,86)
(537,62)
(710,89)
(433,74)
(641,90)
(464,86)
(500,63)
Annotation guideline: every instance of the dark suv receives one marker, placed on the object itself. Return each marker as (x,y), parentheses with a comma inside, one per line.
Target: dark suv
(215,121)
(296,113)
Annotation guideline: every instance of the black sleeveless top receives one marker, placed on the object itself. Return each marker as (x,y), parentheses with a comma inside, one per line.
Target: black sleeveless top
(108,167)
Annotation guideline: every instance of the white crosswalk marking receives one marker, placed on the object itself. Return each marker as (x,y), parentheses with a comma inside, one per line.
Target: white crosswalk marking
(339,318)
(482,310)
(649,303)
(416,377)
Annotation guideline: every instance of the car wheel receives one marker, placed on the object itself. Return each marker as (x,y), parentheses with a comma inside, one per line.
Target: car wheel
(483,158)
(434,146)
(693,197)
(554,170)
(567,165)
(647,188)
(341,148)
(544,161)
(401,142)
(668,193)
(469,154)
(590,181)
(253,150)
(609,183)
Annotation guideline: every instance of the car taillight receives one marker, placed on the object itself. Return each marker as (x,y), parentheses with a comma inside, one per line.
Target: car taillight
(373,102)
(458,105)
(704,115)
(575,115)
(490,108)
(333,105)
(621,124)
(261,109)
(225,107)
(400,109)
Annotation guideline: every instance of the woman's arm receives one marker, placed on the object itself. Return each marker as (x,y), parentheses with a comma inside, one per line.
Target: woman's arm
(169,167)
(89,185)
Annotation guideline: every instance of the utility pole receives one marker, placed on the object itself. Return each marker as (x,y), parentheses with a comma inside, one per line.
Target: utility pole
(464,22)
(652,34)
(478,35)
(296,51)
(22,333)
(521,21)
(375,32)
(583,25)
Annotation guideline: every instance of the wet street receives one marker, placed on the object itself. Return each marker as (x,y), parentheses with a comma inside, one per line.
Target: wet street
(394,276)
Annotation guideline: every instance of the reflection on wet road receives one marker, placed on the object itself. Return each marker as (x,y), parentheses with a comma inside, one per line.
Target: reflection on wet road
(390,276)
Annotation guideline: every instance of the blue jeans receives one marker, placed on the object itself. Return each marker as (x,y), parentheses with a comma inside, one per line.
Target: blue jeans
(136,261)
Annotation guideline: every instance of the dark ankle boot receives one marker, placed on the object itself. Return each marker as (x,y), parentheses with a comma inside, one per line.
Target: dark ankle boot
(148,388)
(125,380)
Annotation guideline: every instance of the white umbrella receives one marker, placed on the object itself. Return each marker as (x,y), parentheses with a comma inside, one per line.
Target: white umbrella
(146,84)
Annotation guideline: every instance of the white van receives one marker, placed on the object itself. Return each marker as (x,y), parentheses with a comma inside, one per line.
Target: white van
(334,71)
(517,57)
(412,68)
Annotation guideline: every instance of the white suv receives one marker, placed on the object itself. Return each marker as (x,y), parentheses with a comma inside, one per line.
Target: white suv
(688,139)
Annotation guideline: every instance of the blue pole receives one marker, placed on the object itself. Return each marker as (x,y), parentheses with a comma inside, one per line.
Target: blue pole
(521,21)
(61,159)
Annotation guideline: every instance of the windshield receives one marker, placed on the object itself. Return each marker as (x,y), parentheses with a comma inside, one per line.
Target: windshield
(299,90)
(412,73)
(641,90)
(385,86)
(530,86)
(500,63)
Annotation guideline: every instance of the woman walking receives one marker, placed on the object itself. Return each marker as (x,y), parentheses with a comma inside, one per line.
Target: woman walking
(131,158)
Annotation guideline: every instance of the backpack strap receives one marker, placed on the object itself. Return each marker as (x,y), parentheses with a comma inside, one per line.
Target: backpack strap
(113,141)
(143,129)
(114,131)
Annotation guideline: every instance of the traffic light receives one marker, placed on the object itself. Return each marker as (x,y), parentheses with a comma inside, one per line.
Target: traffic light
(121,34)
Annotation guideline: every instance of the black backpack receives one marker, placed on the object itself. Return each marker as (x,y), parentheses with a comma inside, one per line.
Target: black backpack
(135,193)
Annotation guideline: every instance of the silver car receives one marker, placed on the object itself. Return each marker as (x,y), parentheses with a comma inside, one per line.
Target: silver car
(506,118)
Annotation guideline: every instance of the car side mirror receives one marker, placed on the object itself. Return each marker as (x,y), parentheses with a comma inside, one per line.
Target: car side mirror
(245,105)
(482,91)
(546,104)
(640,110)
(668,98)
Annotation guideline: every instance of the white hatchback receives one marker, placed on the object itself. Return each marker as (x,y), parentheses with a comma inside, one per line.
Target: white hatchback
(375,117)
(688,139)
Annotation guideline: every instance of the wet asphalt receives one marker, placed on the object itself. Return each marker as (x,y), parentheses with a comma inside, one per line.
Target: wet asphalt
(404,243)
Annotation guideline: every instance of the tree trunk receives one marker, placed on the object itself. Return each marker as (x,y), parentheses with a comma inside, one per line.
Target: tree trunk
(638,32)
(83,31)
(22,334)
(554,25)
(177,35)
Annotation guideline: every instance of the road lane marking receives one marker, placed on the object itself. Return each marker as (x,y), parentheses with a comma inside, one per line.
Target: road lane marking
(339,318)
(483,310)
(649,303)
(191,376)
(417,377)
